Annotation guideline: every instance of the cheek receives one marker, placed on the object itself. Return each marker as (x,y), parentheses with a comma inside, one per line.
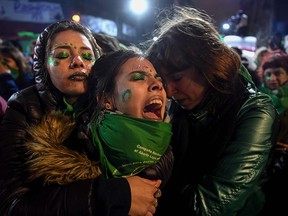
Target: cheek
(55,74)
(13,65)
(283,80)
(89,66)
(126,95)
(52,62)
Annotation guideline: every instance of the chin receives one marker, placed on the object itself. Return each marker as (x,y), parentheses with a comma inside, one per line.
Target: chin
(187,107)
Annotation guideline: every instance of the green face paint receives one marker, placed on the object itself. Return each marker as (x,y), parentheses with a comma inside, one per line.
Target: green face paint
(87,56)
(52,62)
(126,95)
(15,73)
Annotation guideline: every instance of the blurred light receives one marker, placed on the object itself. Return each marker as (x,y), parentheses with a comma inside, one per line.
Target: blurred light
(155,38)
(138,6)
(226,26)
(76,17)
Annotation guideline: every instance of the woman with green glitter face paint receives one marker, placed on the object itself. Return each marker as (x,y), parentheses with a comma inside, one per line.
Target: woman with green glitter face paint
(70,59)
(129,126)
(55,174)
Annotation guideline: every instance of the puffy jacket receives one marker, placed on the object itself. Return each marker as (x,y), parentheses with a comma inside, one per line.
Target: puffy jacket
(221,150)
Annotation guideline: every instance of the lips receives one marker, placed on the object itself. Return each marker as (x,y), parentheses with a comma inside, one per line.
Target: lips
(153,109)
(78,76)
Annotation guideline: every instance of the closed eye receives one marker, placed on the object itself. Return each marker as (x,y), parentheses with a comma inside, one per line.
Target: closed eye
(87,56)
(62,55)
(138,76)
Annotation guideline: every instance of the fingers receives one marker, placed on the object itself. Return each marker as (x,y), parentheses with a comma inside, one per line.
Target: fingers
(156,203)
(158,193)
(158,183)
(144,196)
(281,149)
(152,209)
(281,144)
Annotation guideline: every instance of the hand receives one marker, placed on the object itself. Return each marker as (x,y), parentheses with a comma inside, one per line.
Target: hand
(143,201)
(280,147)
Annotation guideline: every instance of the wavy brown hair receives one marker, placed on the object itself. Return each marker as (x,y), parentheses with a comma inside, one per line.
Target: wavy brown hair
(188,38)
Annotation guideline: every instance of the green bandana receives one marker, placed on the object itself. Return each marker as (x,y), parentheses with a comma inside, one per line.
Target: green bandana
(69,110)
(127,145)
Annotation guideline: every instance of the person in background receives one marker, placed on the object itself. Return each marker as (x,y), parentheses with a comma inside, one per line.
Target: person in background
(64,55)
(275,83)
(249,65)
(223,127)
(260,56)
(275,71)
(15,72)
(263,54)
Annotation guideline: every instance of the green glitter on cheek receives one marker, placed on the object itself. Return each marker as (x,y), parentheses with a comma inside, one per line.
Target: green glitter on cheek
(126,95)
(52,62)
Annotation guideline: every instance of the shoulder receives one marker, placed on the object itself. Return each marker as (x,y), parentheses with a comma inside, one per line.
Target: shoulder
(27,95)
(26,102)
(258,104)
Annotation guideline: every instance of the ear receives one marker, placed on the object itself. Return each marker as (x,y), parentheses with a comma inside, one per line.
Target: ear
(106,102)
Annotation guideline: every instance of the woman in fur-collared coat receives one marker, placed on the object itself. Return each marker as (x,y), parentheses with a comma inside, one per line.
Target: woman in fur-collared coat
(69,182)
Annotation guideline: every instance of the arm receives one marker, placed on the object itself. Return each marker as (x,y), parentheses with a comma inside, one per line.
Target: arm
(161,170)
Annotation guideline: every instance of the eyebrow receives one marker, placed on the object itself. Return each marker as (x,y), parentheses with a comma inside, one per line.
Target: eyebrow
(69,47)
(143,72)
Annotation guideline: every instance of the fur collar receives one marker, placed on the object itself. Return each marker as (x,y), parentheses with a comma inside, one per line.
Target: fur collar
(50,159)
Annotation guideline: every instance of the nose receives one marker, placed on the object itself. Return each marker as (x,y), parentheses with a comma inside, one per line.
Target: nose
(77,61)
(156,85)
(273,77)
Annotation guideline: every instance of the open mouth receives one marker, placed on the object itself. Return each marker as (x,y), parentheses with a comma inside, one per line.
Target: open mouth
(153,110)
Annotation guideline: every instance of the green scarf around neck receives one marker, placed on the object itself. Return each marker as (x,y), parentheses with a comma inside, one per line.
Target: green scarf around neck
(126,144)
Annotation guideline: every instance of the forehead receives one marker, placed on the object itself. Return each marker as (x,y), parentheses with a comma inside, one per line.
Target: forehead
(71,38)
(138,64)
(277,69)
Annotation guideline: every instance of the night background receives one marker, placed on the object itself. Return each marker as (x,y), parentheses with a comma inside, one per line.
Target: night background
(265,17)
